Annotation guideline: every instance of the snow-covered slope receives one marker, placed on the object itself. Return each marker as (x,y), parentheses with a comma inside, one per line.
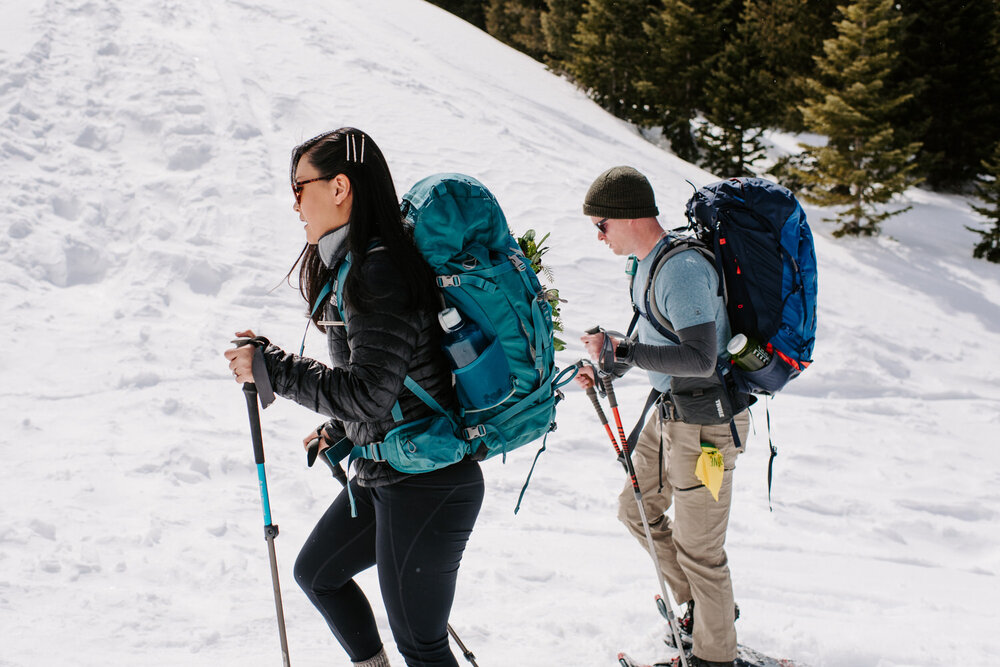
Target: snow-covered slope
(145,216)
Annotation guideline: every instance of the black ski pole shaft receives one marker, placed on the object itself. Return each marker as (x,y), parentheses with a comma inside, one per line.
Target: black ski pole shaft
(270,530)
(469,655)
(667,608)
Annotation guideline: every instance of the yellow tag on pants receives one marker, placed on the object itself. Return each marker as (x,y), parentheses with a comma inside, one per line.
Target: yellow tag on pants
(710,468)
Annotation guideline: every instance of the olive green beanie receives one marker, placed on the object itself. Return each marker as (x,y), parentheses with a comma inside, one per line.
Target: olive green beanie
(620,193)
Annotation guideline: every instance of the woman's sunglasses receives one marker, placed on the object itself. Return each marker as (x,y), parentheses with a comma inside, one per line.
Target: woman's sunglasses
(298,185)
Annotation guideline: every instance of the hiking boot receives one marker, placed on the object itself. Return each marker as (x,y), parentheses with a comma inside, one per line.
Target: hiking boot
(695,661)
(685,627)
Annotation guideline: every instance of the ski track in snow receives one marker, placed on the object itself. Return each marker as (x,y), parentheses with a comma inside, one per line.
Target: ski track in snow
(146,218)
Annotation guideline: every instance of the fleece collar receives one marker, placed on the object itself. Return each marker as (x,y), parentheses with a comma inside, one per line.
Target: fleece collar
(331,245)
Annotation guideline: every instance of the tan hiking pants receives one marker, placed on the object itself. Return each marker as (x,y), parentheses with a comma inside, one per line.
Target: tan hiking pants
(691,548)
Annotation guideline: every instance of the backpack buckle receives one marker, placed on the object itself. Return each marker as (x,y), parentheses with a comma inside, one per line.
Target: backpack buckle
(516,261)
(473,432)
(374,452)
(449,281)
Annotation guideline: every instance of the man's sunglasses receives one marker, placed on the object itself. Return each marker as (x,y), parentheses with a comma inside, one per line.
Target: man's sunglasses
(602,225)
(298,185)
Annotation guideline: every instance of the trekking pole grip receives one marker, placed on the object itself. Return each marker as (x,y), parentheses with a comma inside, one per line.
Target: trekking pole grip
(592,395)
(609,387)
(250,391)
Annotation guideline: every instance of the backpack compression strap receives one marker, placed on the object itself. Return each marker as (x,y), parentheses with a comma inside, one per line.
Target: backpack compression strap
(479,280)
(559,381)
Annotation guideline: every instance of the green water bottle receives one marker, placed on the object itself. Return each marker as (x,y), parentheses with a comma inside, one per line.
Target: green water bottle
(747,353)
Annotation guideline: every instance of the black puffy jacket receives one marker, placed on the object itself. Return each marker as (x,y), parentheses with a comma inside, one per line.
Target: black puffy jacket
(372,354)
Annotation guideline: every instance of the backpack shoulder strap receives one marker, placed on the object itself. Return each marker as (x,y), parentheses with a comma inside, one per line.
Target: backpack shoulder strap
(336,288)
(653,313)
(654,316)
(338,284)
(630,268)
(343,267)
(673,246)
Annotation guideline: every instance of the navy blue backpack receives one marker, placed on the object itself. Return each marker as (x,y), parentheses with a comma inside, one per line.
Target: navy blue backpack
(763,250)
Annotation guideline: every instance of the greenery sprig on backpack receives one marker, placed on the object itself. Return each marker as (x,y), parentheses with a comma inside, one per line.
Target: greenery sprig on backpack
(533,250)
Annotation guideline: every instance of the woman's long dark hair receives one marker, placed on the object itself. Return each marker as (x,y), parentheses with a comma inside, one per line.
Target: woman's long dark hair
(374,214)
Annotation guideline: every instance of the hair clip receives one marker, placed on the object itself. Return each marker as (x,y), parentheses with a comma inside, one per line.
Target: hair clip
(352,148)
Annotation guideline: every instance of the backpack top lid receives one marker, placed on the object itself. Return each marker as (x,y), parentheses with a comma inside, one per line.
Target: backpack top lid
(448,212)
(771,202)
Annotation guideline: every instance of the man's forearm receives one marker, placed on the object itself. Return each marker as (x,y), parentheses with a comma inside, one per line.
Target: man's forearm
(695,356)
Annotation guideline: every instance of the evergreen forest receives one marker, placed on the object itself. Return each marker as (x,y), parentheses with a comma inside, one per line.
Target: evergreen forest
(901,92)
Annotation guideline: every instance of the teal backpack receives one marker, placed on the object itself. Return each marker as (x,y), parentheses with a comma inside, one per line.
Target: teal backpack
(508,395)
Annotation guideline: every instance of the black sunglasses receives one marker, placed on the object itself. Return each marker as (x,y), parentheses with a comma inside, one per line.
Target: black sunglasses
(602,225)
(298,185)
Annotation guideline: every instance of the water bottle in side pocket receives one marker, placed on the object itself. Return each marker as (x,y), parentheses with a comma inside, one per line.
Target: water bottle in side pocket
(482,374)
(747,353)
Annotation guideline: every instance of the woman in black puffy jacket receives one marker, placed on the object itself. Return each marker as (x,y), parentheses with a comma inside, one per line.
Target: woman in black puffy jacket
(412,527)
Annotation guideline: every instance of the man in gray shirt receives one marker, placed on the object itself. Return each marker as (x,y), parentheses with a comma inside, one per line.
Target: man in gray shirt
(678,347)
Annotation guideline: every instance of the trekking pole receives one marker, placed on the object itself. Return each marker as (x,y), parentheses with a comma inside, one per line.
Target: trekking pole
(341,476)
(469,655)
(592,395)
(667,609)
(270,530)
(623,453)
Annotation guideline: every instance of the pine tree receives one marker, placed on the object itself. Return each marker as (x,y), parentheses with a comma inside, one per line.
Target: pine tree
(738,103)
(608,55)
(988,189)
(559,23)
(518,23)
(686,40)
(863,165)
(788,35)
(951,48)
(675,76)
(470,10)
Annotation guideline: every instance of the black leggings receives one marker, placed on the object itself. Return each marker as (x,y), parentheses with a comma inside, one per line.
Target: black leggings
(415,532)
